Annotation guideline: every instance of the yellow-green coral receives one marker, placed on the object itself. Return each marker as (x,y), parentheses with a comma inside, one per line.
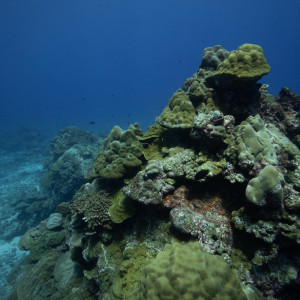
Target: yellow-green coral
(184,271)
(153,131)
(135,257)
(151,140)
(179,113)
(39,241)
(121,209)
(268,181)
(121,153)
(248,61)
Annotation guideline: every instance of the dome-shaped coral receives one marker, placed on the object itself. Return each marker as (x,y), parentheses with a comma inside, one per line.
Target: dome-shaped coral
(179,113)
(247,61)
(184,271)
(121,153)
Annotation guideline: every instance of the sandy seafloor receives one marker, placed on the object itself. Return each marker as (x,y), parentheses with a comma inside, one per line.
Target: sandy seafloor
(20,173)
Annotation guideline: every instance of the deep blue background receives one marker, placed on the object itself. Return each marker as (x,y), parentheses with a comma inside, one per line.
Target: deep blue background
(70,62)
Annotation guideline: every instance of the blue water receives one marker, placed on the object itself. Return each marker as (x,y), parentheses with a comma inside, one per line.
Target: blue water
(108,62)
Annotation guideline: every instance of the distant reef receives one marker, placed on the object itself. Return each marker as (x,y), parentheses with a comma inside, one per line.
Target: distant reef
(204,205)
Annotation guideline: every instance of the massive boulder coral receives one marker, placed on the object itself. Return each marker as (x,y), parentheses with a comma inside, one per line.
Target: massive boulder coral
(72,152)
(251,143)
(40,241)
(234,83)
(54,276)
(268,182)
(120,155)
(212,57)
(191,166)
(68,137)
(246,64)
(179,113)
(183,271)
(66,173)
(195,86)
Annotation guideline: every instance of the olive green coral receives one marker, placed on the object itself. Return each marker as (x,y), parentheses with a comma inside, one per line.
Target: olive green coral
(121,209)
(268,181)
(121,153)
(40,241)
(179,113)
(184,271)
(248,61)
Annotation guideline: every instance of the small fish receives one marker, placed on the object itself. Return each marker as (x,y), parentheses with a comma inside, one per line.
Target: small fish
(92,122)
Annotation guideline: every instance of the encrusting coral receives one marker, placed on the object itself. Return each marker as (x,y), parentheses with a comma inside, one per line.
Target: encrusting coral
(251,143)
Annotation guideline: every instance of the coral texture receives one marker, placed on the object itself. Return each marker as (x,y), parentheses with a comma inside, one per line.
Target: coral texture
(218,173)
(212,57)
(269,181)
(121,153)
(179,113)
(93,210)
(248,61)
(183,271)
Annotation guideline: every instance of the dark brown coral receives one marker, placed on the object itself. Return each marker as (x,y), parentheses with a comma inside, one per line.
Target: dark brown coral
(284,112)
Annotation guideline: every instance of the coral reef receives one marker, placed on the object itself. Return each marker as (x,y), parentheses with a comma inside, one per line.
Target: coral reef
(40,240)
(211,129)
(120,155)
(204,205)
(234,82)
